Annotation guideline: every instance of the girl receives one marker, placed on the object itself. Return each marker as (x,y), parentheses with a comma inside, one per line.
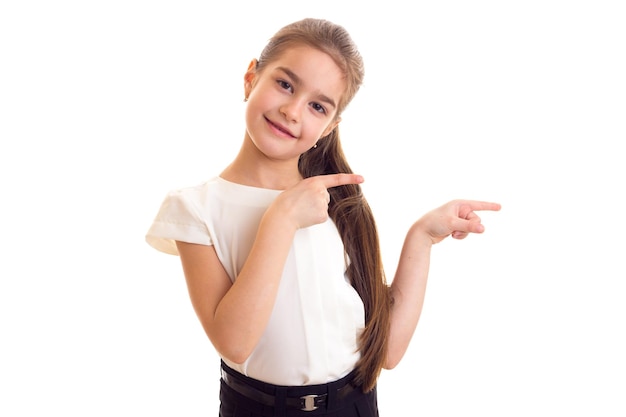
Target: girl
(280,250)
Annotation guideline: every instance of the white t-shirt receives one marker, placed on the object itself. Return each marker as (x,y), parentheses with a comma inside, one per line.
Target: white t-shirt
(312,334)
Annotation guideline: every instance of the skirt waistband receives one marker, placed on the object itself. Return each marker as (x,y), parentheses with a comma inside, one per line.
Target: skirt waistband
(305,398)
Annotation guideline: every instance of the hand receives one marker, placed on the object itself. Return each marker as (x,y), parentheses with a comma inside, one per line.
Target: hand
(456,218)
(306,203)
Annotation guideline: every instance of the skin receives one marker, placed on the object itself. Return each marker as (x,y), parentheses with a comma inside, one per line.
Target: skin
(290,108)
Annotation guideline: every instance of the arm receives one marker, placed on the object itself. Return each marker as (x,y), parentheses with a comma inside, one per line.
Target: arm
(457,219)
(234,316)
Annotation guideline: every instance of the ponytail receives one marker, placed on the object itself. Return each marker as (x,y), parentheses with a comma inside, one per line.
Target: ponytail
(353,217)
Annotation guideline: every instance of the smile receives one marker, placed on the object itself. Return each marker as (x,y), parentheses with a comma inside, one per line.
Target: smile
(281,130)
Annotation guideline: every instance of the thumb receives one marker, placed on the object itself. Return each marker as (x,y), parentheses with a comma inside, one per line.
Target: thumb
(461,226)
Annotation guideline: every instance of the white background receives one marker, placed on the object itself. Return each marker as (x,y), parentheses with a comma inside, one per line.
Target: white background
(105,106)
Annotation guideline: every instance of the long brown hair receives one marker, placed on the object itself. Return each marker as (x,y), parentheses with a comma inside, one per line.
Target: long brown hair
(348,207)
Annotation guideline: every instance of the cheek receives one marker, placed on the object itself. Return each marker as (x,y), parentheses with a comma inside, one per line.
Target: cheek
(255,105)
(252,117)
(260,100)
(314,128)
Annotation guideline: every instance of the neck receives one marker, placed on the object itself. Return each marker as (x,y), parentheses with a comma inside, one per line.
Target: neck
(256,170)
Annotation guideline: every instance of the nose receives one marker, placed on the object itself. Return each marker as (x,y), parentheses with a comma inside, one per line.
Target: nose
(291,110)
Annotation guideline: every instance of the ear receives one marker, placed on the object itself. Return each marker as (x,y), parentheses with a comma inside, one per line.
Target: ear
(331,126)
(249,77)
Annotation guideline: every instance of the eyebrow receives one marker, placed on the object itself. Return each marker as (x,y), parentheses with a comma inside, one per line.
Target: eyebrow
(298,81)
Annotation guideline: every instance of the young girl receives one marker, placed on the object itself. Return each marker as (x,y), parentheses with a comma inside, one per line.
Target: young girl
(280,250)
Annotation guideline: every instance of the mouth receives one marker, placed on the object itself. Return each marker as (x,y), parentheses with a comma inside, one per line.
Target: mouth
(280,129)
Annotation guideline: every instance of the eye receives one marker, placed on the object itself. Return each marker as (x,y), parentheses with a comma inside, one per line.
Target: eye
(318,108)
(284,85)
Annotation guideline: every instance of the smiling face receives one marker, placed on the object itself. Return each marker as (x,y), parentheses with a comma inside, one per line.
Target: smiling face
(292,102)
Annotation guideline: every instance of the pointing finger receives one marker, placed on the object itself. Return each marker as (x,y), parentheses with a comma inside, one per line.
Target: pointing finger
(471,205)
(335,180)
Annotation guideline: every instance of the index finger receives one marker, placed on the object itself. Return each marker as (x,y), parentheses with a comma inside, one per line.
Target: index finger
(480,205)
(335,180)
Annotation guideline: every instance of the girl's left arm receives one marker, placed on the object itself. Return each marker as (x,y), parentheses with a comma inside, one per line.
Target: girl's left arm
(457,219)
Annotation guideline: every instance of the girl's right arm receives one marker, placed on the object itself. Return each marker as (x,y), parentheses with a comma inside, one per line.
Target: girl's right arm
(234,315)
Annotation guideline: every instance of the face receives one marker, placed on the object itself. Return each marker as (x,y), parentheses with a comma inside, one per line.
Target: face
(292,102)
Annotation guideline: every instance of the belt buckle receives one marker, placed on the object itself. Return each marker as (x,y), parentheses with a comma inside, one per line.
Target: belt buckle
(308,402)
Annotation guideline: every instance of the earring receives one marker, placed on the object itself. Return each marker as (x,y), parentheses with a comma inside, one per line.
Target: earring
(245,99)
(315,146)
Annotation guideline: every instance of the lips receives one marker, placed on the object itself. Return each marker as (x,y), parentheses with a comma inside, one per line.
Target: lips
(280,129)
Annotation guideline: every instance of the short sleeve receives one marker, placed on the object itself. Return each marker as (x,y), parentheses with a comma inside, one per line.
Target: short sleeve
(177,219)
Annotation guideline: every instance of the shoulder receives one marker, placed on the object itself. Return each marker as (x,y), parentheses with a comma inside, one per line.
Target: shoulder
(217,197)
(195,191)
(191,196)
(183,217)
